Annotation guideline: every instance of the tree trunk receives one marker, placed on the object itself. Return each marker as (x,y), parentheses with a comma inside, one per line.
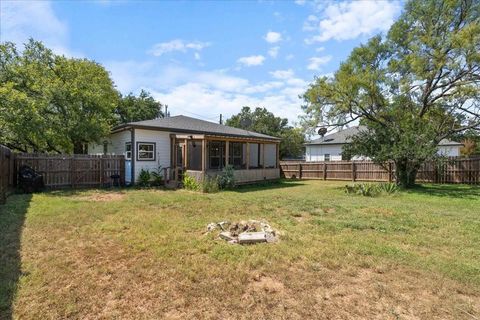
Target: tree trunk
(406,173)
(78,148)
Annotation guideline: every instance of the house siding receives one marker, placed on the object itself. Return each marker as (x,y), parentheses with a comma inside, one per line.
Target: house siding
(317,152)
(115,144)
(449,151)
(162,150)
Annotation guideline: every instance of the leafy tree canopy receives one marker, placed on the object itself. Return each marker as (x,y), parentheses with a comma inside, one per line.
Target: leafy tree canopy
(263,121)
(413,88)
(50,103)
(143,107)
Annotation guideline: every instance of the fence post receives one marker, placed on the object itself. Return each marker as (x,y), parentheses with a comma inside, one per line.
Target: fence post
(324,170)
(72,171)
(299,170)
(354,171)
(390,178)
(101,171)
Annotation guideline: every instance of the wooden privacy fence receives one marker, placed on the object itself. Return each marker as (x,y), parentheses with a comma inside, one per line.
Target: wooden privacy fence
(451,170)
(6,172)
(74,171)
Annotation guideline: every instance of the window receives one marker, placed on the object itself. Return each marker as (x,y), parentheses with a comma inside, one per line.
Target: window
(236,155)
(326,157)
(145,151)
(128,150)
(216,154)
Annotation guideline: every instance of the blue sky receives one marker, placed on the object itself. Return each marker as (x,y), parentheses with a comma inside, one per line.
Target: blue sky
(205,58)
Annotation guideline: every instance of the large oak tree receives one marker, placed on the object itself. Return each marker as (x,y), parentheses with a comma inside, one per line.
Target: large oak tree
(412,88)
(50,103)
(263,121)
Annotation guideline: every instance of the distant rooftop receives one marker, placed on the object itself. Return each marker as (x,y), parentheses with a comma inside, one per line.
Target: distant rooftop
(191,125)
(343,137)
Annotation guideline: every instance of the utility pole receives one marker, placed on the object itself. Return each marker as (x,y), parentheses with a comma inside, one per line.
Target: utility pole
(221,121)
(166,111)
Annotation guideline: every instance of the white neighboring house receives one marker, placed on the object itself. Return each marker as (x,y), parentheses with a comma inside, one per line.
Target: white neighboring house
(185,145)
(329,148)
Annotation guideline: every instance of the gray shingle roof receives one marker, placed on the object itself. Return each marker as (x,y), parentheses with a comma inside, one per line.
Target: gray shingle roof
(191,125)
(343,137)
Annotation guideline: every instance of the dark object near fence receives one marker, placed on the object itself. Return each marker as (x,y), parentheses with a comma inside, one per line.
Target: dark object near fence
(30,180)
(115,180)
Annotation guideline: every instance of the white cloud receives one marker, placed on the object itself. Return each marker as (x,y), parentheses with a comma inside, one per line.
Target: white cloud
(273,37)
(317,62)
(21,20)
(210,102)
(300,2)
(351,19)
(273,52)
(177,45)
(252,60)
(208,93)
(289,57)
(311,23)
(282,74)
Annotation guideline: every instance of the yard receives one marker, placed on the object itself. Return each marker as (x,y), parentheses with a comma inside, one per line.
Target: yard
(143,254)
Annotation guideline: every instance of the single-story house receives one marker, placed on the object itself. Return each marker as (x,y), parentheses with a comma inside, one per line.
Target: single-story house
(329,148)
(184,145)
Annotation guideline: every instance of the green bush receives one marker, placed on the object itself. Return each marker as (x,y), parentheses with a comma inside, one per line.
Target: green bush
(210,185)
(226,180)
(363,189)
(157,177)
(389,188)
(190,183)
(144,178)
(371,190)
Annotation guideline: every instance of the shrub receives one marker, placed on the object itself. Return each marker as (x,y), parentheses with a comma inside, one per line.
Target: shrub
(157,177)
(370,190)
(210,185)
(363,189)
(190,183)
(388,188)
(144,178)
(226,179)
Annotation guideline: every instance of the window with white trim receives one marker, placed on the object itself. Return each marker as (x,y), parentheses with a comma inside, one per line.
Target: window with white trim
(145,151)
(128,150)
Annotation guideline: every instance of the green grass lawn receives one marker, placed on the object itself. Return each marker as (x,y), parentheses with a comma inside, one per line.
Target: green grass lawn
(143,254)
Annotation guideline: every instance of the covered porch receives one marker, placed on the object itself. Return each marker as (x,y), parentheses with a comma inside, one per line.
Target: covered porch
(200,155)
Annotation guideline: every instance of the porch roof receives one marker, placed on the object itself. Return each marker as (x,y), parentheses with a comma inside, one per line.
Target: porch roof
(183,124)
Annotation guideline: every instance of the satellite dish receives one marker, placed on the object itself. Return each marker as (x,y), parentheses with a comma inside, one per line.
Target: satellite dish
(246,123)
(322,131)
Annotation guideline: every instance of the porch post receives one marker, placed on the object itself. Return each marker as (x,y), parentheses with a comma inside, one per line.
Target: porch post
(248,156)
(277,163)
(185,156)
(204,155)
(227,146)
(263,155)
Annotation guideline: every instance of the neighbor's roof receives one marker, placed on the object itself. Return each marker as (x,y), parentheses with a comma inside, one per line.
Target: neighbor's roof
(343,137)
(192,125)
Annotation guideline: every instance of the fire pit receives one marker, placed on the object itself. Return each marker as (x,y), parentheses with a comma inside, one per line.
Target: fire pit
(244,232)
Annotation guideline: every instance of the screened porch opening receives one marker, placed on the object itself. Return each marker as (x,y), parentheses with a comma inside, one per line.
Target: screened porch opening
(202,155)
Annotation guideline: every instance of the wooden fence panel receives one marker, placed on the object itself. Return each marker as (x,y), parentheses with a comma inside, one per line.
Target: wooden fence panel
(74,171)
(449,170)
(6,172)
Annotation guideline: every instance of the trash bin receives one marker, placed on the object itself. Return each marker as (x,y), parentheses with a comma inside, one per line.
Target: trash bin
(29,180)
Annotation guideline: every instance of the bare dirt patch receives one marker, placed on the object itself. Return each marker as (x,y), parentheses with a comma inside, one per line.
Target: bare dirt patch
(102,197)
